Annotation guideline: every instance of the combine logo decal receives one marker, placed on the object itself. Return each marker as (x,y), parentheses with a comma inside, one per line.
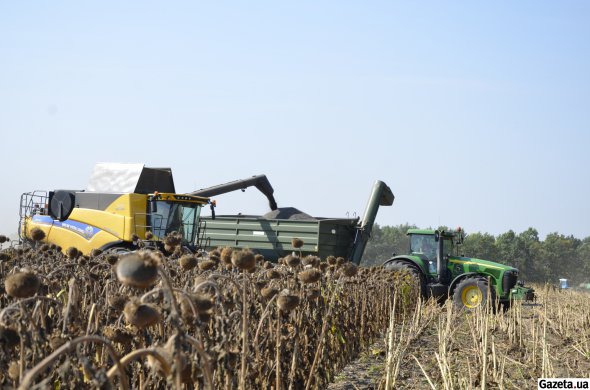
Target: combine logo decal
(86,231)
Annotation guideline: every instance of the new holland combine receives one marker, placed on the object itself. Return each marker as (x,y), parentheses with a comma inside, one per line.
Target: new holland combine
(122,204)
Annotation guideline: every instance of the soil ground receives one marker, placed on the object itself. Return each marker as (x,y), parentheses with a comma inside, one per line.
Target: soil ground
(364,373)
(550,339)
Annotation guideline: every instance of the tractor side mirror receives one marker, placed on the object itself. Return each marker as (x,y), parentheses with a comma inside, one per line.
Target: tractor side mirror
(153,207)
(436,235)
(213,204)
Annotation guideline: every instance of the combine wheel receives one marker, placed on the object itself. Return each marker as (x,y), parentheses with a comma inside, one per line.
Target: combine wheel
(472,293)
(415,274)
(118,250)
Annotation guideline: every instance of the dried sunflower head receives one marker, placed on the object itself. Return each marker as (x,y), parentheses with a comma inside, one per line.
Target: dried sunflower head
(244,259)
(139,269)
(188,262)
(37,234)
(287,301)
(141,315)
(296,242)
(310,275)
(22,284)
(292,261)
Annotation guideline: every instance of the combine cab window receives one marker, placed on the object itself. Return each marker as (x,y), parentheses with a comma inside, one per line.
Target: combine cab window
(175,217)
(190,219)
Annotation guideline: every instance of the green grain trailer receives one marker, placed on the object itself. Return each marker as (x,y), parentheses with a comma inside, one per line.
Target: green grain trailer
(271,237)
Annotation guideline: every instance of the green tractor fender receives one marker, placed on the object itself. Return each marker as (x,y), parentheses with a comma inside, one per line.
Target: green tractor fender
(458,278)
(411,260)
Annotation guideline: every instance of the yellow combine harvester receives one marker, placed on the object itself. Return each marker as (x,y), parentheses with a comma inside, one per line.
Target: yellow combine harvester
(122,203)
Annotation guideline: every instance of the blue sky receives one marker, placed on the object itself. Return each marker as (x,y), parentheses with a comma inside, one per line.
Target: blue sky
(475,113)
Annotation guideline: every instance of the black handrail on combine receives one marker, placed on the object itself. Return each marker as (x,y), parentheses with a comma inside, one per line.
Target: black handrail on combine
(31,203)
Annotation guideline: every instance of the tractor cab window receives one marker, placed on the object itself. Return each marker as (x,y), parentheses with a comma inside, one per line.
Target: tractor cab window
(423,244)
(448,246)
(174,217)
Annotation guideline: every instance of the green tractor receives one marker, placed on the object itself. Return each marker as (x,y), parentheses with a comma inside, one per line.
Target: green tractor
(442,273)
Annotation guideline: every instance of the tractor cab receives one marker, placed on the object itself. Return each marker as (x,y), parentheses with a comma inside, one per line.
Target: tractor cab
(434,248)
(423,245)
(427,244)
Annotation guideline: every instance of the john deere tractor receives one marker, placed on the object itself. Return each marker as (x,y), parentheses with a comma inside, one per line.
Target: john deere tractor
(123,203)
(441,272)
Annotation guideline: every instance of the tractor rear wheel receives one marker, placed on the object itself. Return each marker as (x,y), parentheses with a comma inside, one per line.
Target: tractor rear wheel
(472,293)
(417,279)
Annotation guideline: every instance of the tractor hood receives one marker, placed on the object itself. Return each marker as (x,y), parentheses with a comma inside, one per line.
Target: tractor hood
(470,261)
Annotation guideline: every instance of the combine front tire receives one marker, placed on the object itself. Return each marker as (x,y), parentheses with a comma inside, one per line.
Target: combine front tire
(472,293)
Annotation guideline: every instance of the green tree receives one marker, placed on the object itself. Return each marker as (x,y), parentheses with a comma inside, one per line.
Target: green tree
(506,246)
(521,251)
(583,253)
(480,245)
(559,255)
(528,249)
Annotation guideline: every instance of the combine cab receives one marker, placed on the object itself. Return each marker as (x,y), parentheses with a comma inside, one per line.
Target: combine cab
(122,203)
(435,262)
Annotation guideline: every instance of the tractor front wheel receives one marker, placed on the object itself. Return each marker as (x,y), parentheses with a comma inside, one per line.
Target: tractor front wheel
(472,293)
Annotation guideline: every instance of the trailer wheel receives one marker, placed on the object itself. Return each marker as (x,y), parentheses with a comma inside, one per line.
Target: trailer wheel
(472,293)
(417,278)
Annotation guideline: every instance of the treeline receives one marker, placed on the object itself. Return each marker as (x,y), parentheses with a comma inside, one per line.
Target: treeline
(558,256)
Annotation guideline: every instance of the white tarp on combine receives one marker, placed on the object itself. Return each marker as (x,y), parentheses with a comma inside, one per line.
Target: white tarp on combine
(114,177)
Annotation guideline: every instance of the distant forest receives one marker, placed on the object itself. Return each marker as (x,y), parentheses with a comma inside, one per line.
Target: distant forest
(557,256)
